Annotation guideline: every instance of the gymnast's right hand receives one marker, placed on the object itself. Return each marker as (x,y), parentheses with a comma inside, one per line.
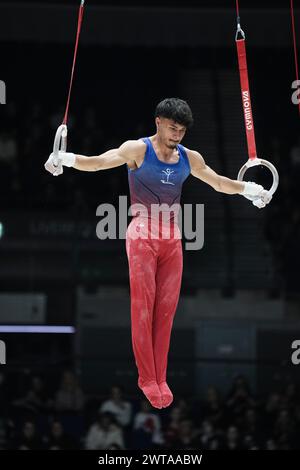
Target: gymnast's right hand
(55,162)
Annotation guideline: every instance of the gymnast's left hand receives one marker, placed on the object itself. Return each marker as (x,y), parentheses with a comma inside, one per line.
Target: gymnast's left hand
(256,193)
(262,200)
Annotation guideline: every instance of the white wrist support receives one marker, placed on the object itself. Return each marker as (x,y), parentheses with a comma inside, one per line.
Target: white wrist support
(67,158)
(251,189)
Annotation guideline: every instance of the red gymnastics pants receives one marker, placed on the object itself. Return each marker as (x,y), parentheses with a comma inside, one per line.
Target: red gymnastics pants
(155,271)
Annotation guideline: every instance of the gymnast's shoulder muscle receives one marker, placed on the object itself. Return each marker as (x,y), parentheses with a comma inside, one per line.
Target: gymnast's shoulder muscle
(133,151)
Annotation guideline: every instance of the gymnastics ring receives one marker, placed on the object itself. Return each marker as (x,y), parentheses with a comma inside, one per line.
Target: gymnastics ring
(60,141)
(259,161)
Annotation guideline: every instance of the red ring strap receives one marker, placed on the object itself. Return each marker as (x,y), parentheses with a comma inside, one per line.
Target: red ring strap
(80,16)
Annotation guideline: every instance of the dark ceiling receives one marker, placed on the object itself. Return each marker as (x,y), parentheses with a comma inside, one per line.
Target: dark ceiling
(271,4)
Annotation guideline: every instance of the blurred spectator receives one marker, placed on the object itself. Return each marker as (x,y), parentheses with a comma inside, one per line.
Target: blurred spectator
(37,398)
(208,438)
(239,398)
(147,428)
(270,445)
(118,407)
(272,408)
(252,427)
(171,431)
(187,434)
(69,397)
(232,439)
(104,434)
(212,407)
(284,431)
(29,438)
(58,439)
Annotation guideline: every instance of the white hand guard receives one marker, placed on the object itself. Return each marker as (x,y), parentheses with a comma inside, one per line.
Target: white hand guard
(55,163)
(257,194)
(251,190)
(262,200)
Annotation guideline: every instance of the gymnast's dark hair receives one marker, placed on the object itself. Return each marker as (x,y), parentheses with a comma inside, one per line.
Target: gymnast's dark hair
(175,109)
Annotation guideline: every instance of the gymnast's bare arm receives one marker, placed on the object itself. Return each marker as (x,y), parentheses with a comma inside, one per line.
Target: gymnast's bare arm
(129,152)
(200,170)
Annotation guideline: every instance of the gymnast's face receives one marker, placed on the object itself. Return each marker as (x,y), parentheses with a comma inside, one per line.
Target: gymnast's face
(170,133)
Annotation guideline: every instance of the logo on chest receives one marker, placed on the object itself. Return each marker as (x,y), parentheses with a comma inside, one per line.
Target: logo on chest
(167,176)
